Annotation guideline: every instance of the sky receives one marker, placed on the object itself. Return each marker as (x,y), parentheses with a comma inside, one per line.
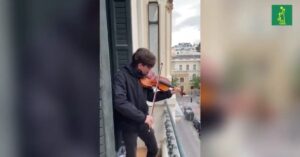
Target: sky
(186,21)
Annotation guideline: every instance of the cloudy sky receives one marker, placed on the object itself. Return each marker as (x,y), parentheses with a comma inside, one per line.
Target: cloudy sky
(186,21)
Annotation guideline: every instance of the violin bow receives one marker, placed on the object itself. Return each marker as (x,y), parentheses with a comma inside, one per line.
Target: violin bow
(156,87)
(154,97)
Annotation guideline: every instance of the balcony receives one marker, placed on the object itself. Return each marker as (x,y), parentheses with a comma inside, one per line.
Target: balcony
(166,136)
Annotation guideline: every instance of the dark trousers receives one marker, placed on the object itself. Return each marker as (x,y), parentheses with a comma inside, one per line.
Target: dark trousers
(130,140)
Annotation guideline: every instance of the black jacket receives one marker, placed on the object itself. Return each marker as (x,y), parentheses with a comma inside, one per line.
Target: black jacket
(130,107)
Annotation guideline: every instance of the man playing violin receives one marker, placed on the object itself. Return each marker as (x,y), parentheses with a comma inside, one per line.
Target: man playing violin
(130,107)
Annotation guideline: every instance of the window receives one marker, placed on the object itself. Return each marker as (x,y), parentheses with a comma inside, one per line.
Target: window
(181,79)
(153,30)
(187,67)
(180,67)
(194,67)
(194,75)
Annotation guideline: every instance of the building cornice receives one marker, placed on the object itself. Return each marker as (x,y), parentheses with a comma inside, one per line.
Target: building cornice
(169,5)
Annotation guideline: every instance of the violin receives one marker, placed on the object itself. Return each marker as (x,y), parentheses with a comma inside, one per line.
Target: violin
(162,83)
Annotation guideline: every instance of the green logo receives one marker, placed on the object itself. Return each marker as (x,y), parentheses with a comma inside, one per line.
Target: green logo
(282,15)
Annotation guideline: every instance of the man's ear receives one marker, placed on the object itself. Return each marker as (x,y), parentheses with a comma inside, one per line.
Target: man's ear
(140,65)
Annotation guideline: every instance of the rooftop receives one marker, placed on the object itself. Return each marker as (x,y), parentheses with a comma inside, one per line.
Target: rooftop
(186,56)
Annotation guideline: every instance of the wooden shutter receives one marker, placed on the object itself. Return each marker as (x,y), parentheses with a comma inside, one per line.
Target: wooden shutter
(120,33)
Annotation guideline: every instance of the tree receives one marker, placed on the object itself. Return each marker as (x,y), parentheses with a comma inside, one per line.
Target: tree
(198,47)
(174,81)
(196,82)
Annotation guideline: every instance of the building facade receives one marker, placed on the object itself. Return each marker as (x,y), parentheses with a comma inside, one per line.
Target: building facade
(151,28)
(185,65)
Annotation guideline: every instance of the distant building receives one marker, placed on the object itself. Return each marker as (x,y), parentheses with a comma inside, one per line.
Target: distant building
(184,68)
(184,48)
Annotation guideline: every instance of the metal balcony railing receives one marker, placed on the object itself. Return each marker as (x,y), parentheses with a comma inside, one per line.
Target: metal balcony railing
(173,143)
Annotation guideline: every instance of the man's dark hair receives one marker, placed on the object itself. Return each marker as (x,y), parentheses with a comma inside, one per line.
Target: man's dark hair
(144,56)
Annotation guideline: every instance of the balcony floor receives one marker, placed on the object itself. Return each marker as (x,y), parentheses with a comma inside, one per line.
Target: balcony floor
(141,152)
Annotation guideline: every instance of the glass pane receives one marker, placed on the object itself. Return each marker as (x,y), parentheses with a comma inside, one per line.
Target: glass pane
(153,12)
(153,42)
